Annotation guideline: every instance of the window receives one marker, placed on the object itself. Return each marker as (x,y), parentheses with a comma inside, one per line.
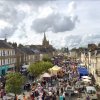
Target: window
(8,52)
(0,53)
(8,61)
(3,52)
(4,61)
(0,62)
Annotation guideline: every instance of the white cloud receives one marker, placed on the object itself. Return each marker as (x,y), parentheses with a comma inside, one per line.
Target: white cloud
(4,24)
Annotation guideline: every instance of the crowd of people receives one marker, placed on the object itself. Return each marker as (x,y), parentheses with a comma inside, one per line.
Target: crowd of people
(55,87)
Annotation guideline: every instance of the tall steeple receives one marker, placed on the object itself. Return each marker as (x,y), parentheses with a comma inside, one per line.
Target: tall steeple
(44,37)
(45,42)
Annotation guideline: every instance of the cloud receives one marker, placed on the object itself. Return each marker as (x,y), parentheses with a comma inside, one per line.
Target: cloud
(57,21)
(13,12)
(54,22)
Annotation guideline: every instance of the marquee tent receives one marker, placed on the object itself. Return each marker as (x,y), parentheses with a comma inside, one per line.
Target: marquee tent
(82,71)
(54,70)
(46,75)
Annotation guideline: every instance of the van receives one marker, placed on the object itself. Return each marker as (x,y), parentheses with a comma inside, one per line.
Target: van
(91,92)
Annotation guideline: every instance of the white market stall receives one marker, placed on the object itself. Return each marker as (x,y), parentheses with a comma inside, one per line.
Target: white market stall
(46,75)
(86,77)
(25,66)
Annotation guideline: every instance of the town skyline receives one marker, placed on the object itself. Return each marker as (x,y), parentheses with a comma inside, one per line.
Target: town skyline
(66,23)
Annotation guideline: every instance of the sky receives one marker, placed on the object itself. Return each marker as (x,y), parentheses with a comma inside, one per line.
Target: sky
(67,23)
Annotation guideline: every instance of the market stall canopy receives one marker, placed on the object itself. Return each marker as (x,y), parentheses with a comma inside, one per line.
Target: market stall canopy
(86,80)
(82,71)
(54,70)
(86,77)
(81,64)
(46,75)
(25,66)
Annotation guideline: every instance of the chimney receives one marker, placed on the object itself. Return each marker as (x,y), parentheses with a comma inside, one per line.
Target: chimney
(5,38)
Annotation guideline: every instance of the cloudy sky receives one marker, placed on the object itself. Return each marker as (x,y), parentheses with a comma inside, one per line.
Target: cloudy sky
(66,23)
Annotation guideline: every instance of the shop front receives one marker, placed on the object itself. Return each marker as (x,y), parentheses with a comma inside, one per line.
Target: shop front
(11,68)
(3,69)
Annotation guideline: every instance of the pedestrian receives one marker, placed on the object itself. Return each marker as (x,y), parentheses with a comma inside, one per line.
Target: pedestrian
(61,97)
(61,89)
(54,96)
(32,96)
(24,97)
(88,98)
(57,92)
(15,98)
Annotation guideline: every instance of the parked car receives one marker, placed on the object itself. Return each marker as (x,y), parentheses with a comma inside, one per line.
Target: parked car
(91,92)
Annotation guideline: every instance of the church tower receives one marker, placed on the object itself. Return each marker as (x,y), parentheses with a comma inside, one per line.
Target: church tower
(45,43)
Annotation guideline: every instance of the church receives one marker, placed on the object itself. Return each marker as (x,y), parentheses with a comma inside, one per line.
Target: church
(45,47)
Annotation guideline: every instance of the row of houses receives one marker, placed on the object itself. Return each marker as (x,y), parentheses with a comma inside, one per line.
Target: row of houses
(12,58)
(92,60)
(89,58)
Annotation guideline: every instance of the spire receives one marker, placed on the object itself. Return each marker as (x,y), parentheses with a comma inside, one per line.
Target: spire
(44,37)
(45,42)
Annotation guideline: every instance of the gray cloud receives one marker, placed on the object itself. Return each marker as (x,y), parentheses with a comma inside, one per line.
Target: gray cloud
(73,40)
(78,40)
(10,14)
(7,31)
(55,22)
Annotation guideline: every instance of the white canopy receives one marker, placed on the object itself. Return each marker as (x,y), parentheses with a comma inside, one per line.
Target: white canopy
(86,77)
(82,64)
(25,66)
(46,75)
(86,80)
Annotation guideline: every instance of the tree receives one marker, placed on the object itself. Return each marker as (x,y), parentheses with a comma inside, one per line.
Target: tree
(14,45)
(92,47)
(46,59)
(14,82)
(20,46)
(39,67)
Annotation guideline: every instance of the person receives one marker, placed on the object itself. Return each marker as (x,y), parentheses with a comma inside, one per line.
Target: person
(57,92)
(24,97)
(15,98)
(88,98)
(61,97)
(54,96)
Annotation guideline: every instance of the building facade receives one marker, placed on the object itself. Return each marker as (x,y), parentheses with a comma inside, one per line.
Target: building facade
(7,58)
(92,62)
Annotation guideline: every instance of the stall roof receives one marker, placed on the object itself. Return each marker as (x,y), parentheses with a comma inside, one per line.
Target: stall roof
(83,70)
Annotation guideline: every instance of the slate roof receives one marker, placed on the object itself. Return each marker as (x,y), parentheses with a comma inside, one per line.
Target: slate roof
(27,50)
(4,44)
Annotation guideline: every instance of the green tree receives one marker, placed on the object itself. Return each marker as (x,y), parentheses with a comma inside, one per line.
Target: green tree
(46,59)
(14,82)
(39,67)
